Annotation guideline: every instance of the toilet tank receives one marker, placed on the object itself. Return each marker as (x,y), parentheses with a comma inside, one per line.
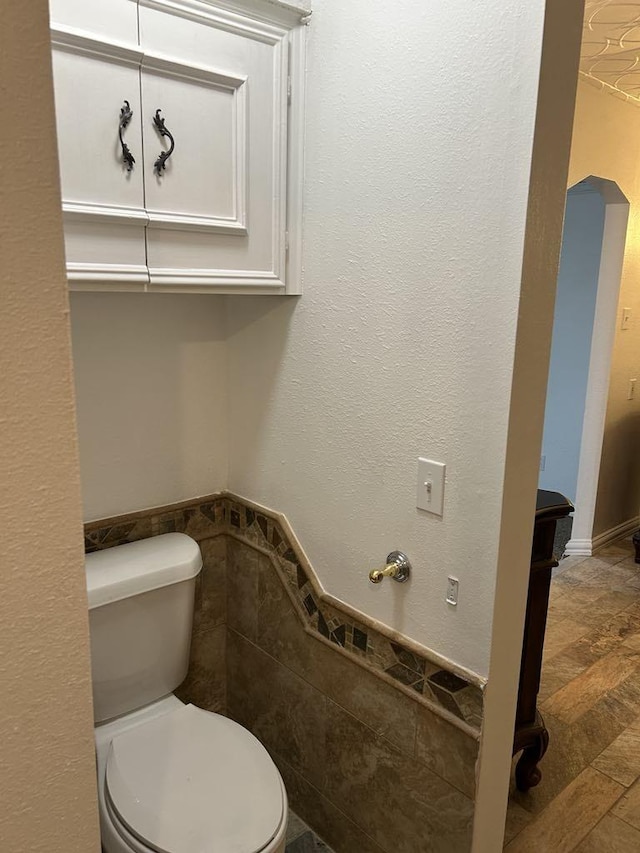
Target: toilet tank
(140,616)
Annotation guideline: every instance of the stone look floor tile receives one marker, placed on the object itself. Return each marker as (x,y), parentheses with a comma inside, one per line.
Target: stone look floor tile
(307,843)
(628,806)
(568,562)
(517,819)
(301,839)
(576,698)
(295,826)
(557,596)
(577,608)
(572,748)
(621,760)
(613,602)
(561,634)
(607,637)
(590,698)
(569,817)
(614,559)
(577,574)
(617,576)
(623,703)
(611,835)
(594,570)
(557,672)
(620,550)
(591,601)
(634,584)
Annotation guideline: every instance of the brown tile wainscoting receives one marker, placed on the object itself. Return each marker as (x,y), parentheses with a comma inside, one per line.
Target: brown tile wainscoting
(376,737)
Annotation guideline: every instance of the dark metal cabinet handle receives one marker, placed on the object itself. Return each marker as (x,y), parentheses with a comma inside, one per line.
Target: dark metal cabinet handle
(126,115)
(160,164)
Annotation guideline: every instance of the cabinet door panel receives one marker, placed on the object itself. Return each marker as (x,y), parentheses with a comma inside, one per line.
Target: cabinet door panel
(225,77)
(205,175)
(102,200)
(90,92)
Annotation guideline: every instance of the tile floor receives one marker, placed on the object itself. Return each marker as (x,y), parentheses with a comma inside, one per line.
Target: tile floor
(300,839)
(589,798)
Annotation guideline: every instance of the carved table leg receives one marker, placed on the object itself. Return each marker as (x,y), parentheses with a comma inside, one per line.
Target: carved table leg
(533,740)
(636,544)
(528,773)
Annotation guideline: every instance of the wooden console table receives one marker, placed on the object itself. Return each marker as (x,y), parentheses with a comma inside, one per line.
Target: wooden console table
(530,735)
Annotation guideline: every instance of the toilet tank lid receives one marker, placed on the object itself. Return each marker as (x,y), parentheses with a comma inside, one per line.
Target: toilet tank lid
(136,567)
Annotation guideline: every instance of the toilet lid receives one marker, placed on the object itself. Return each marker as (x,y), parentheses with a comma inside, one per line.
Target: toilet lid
(194,782)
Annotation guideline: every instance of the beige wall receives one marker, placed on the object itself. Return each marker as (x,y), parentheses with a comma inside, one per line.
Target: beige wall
(605,144)
(47,777)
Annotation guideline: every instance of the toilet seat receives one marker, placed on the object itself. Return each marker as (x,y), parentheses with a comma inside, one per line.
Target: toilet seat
(192,781)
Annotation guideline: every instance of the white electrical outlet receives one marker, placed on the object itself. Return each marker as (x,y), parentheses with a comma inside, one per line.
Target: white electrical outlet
(543,462)
(430,491)
(452,591)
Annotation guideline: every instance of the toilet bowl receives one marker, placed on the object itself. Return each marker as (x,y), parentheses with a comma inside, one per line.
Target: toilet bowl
(172,778)
(176,779)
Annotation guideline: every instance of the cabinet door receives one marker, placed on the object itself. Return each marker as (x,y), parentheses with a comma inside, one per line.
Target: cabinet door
(217,210)
(103,199)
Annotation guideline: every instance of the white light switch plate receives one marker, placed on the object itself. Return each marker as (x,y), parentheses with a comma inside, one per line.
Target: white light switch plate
(430,491)
(452,591)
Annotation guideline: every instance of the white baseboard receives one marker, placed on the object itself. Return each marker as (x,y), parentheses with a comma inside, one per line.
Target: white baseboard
(578,548)
(617,532)
(586,547)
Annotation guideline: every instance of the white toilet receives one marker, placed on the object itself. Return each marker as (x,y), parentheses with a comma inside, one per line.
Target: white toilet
(172,778)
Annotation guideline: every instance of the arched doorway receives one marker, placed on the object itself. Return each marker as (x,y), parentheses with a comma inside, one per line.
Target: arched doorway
(584,327)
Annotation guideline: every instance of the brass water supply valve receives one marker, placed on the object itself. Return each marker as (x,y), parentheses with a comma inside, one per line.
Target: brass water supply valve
(398,567)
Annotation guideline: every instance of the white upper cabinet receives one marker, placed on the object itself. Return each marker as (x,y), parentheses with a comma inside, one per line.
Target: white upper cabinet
(180,139)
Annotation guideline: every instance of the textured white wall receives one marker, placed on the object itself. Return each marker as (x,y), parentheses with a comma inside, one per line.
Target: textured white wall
(604,144)
(419,136)
(150,375)
(47,769)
